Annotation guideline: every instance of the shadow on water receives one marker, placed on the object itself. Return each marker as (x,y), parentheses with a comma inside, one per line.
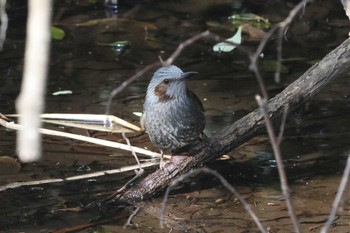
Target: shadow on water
(314,148)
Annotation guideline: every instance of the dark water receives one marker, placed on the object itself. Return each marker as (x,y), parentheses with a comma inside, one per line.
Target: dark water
(314,148)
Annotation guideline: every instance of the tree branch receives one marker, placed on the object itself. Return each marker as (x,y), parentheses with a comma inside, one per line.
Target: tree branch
(336,63)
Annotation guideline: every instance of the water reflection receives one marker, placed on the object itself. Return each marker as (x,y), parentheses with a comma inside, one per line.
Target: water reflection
(314,148)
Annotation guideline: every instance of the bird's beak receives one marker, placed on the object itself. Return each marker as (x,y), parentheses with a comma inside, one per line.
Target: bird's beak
(189,74)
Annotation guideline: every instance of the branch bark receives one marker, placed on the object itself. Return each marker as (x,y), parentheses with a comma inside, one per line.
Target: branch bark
(333,65)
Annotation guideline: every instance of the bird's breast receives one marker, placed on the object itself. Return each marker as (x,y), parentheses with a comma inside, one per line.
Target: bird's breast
(174,123)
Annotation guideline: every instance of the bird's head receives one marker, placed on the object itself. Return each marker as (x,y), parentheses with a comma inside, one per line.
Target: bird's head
(168,83)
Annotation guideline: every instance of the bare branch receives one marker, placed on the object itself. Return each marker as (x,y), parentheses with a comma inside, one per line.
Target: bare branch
(183,45)
(277,152)
(338,197)
(336,63)
(275,142)
(283,124)
(97,141)
(281,26)
(131,149)
(127,82)
(223,181)
(73,178)
(132,215)
(168,62)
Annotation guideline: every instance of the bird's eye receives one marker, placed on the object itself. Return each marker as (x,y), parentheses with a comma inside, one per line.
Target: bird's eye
(166,81)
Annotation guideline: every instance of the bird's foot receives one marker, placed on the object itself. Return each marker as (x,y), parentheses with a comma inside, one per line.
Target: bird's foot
(161,164)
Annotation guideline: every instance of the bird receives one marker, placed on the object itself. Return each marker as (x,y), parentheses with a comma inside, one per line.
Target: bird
(173,116)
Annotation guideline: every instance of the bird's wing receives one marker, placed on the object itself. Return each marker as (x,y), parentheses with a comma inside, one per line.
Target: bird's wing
(194,97)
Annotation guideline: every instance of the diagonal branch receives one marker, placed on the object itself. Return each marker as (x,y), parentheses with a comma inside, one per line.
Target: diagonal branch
(335,64)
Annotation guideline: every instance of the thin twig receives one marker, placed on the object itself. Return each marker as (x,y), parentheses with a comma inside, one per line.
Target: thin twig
(282,28)
(338,197)
(263,103)
(79,177)
(11,125)
(277,152)
(223,181)
(132,215)
(168,62)
(131,149)
(283,124)
(282,25)
(127,82)
(279,55)
(119,191)
(138,172)
(183,45)
(88,121)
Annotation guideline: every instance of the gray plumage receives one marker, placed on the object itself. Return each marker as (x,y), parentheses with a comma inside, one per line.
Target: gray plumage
(173,116)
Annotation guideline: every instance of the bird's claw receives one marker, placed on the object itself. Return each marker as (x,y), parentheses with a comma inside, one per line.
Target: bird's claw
(161,164)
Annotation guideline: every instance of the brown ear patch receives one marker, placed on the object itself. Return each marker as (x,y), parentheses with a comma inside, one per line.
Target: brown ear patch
(161,90)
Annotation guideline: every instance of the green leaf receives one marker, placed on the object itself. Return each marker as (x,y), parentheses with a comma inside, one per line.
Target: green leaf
(252,19)
(228,47)
(57,33)
(118,46)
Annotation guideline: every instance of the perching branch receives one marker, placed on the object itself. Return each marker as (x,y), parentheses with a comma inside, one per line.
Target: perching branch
(335,64)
